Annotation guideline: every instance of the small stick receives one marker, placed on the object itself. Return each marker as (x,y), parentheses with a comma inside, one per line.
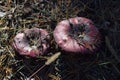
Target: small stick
(48,62)
(37,71)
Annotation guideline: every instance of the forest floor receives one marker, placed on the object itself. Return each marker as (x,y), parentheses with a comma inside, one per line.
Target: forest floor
(17,15)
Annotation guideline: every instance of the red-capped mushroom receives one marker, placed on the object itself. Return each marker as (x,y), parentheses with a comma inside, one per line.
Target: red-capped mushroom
(77,35)
(32,42)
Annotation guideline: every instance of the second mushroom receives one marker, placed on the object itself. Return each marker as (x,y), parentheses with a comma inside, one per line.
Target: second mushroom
(77,35)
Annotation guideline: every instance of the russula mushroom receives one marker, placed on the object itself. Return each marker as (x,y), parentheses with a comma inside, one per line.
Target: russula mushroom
(77,35)
(32,42)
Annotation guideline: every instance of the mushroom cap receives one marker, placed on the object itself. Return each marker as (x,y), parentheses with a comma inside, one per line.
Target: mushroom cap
(32,42)
(77,35)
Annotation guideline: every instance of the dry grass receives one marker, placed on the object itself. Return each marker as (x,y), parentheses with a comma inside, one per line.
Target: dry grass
(21,14)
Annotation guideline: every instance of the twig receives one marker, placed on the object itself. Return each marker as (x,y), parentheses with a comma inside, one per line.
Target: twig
(37,71)
(48,62)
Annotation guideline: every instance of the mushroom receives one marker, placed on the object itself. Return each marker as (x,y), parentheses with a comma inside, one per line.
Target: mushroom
(32,42)
(77,35)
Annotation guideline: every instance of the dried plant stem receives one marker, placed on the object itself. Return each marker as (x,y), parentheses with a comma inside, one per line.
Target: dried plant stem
(52,59)
(6,28)
(48,62)
(37,71)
